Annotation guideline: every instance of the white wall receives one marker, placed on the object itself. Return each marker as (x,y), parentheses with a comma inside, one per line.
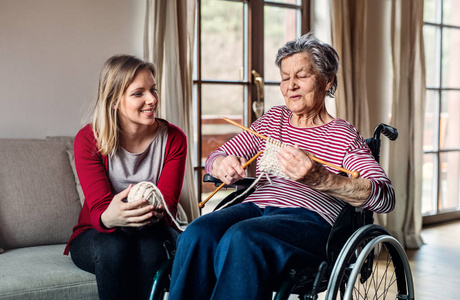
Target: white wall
(51,53)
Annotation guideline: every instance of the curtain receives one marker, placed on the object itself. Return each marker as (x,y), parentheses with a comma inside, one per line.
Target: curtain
(384,62)
(349,40)
(168,42)
(405,222)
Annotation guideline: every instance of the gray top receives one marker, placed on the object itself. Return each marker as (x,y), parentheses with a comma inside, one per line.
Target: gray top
(126,167)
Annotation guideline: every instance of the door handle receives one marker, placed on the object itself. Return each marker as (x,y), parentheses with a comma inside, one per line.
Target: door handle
(258,106)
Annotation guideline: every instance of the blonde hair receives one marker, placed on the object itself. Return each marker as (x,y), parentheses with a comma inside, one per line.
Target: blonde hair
(116,75)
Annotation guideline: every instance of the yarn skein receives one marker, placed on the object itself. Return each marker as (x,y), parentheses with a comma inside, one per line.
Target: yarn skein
(150,192)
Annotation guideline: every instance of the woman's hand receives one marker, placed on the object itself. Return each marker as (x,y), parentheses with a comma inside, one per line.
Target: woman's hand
(229,169)
(298,166)
(130,214)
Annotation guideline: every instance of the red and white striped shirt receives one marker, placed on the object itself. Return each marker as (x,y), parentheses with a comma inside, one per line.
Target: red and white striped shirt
(337,142)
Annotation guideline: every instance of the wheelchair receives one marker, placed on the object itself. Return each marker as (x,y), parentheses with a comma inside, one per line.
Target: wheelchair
(363,260)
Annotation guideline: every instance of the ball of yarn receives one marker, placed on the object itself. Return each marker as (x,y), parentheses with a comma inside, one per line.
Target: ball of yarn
(150,192)
(146,190)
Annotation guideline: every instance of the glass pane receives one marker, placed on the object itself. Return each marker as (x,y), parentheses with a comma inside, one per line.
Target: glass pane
(430,37)
(450,120)
(449,185)
(450,58)
(215,131)
(431,11)
(429,185)
(272,96)
(451,12)
(222,40)
(430,130)
(280,26)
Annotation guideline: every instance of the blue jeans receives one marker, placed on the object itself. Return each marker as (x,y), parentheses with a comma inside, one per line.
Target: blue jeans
(238,252)
(124,262)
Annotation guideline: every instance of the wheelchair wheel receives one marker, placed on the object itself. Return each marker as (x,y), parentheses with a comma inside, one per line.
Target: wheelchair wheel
(372,265)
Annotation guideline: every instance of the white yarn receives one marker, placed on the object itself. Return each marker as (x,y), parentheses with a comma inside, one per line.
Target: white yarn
(267,164)
(150,192)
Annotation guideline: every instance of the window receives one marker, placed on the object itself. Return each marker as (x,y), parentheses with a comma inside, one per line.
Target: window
(236,42)
(441,168)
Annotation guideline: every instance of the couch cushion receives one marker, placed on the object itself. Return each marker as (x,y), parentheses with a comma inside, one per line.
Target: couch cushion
(43,273)
(39,203)
(68,141)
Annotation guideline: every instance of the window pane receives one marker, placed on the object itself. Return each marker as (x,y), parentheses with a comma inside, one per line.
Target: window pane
(279,27)
(430,37)
(431,11)
(449,185)
(222,40)
(450,120)
(215,130)
(430,130)
(450,58)
(429,185)
(272,96)
(451,12)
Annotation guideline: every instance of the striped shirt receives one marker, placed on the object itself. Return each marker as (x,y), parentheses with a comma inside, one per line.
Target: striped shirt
(337,142)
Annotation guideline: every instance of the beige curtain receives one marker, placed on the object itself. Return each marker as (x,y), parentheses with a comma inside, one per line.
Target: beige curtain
(168,42)
(405,222)
(349,39)
(375,59)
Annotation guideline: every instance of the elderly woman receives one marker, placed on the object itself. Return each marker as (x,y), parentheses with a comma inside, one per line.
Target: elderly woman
(235,253)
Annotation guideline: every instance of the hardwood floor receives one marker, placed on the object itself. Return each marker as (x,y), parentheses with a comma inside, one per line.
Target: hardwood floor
(436,265)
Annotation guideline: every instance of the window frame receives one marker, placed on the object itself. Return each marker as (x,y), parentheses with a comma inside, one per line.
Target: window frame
(253,60)
(439,214)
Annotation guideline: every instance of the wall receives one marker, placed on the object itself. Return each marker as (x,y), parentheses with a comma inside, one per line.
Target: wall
(51,52)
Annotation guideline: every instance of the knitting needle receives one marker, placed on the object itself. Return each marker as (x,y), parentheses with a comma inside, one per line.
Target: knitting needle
(354,174)
(201,204)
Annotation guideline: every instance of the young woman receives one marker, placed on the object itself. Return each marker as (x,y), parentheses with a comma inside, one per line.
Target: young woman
(126,144)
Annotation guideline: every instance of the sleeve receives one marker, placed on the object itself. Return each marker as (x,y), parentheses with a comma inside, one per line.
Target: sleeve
(382,197)
(172,176)
(93,177)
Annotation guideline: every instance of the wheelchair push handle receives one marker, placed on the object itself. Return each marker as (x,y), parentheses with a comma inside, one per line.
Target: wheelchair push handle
(390,132)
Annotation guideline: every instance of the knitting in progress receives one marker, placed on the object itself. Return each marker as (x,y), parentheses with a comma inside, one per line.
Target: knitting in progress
(268,164)
(150,192)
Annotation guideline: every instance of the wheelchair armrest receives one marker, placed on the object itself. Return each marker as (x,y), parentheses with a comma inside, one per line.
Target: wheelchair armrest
(243,183)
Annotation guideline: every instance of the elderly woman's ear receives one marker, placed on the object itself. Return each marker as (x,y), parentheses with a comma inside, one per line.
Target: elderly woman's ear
(330,83)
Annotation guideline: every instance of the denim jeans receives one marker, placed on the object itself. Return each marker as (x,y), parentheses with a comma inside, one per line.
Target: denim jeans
(238,252)
(124,262)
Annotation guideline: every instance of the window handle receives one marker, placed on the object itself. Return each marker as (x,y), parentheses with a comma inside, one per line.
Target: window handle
(258,106)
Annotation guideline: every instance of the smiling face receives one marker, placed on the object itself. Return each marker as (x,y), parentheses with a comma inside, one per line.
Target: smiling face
(303,88)
(138,104)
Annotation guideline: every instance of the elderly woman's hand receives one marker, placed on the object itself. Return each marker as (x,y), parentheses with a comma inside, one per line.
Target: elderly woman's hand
(229,169)
(296,164)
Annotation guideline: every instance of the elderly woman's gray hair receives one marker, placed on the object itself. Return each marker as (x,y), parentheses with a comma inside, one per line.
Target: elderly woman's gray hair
(324,58)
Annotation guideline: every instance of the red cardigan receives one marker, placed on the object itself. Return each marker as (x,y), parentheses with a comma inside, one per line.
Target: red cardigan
(92,168)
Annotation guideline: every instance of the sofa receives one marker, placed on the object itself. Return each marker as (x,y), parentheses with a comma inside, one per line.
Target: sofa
(40,200)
